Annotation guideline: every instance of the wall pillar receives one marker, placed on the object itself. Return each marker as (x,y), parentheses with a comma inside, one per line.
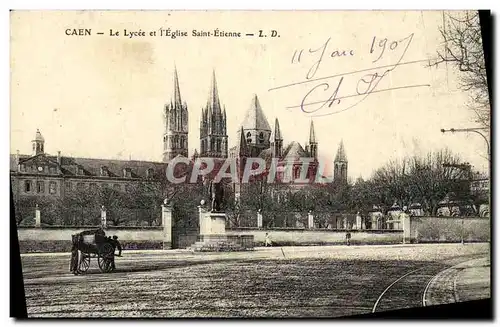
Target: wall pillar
(310,220)
(259,219)
(204,222)
(406,221)
(166,223)
(358,221)
(38,219)
(103,217)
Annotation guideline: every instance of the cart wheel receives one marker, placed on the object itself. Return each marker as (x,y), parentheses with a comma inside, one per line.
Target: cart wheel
(105,258)
(84,263)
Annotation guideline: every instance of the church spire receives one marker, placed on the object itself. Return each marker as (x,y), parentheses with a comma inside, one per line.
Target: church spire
(341,156)
(177,91)
(213,97)
(277,131)
(312,134)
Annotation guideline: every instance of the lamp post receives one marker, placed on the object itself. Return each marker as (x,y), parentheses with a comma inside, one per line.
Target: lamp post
(477,131)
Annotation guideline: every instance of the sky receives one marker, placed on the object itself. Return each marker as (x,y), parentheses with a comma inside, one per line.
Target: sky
(102,96)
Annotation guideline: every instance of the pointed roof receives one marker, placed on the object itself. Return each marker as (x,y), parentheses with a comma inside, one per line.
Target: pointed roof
(255,118)
(38,136)
(177,91)
(341,157)
(242,146)
(312,134)
(213,97)
(294,151)
(277,131)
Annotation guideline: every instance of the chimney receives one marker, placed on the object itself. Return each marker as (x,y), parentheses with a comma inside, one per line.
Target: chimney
(59,158)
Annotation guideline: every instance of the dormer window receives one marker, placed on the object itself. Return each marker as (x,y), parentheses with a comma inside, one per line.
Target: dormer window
(79,170)
(149,173)
(261,137)
(22,167)
(127,172)
(104,171)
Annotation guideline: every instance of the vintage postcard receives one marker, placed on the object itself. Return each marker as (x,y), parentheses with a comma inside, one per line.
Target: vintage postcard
(250,164)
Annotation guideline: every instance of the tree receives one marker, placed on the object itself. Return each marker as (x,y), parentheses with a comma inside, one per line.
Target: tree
(463,48)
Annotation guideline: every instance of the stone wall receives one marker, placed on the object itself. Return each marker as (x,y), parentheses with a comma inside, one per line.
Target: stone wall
(291,236)
(450,229)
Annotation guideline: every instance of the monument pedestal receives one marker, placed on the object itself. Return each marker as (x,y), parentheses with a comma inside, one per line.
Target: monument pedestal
(213,236)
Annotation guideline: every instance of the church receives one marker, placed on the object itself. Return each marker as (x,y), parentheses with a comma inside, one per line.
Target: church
(41,174)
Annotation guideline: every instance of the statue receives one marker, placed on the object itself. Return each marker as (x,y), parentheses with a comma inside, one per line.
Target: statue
(216,192)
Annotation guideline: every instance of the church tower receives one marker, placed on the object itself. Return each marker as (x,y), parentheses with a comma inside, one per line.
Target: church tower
(340,165)
(313,144)
(175,138)
(213,134)
(38,143)
(256,128)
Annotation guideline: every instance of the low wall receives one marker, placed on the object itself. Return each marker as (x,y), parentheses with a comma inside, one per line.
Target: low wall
(450,229)
(291,236)
(58,238)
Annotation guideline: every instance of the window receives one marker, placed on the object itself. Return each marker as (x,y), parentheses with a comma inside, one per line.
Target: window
(261,137)
(40,186)
(93,187)
(127,172)
(218,145)
(117,187)
(52,170)
(150,173)
(23,167)
(52,188)
(104,171)
(128,188)
(67,185)
(27,186)
(79,186)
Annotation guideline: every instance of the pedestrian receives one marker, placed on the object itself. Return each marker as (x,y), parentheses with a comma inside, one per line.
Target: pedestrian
(348,237)
(116,245)
(267,240)
(75,255)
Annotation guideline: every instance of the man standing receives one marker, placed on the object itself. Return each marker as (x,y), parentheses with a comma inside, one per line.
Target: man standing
(75,255)
(116,245)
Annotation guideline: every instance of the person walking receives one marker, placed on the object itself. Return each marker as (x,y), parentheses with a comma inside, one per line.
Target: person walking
(267,240)
(348,237)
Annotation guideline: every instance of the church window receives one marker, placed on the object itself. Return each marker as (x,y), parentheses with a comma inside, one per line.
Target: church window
(27,186)
(176,142)
(40,186)
(212,144)
(218,145)
(52,187)
(261,137)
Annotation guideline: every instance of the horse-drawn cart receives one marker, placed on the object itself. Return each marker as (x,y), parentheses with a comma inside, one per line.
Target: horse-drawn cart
(94,244)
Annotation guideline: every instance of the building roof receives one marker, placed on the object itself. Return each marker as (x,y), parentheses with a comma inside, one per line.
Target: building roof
(38,136)
(92,166)
(255,118)
(294,151)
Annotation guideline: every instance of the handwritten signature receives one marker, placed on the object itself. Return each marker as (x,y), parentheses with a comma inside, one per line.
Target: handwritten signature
(334,86)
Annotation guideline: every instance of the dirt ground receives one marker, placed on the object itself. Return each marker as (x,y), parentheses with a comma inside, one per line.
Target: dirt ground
(327,281)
